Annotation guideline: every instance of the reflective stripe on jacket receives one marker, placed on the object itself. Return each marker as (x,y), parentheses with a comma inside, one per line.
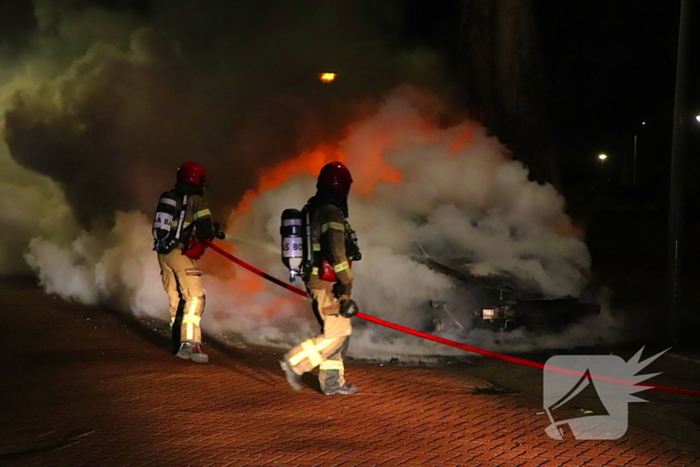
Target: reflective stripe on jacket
(197,212)
(328,243)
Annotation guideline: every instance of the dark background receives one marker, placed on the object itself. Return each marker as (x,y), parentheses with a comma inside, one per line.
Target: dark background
(609,67)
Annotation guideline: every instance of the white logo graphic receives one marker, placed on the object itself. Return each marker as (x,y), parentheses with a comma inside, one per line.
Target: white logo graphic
(588,394)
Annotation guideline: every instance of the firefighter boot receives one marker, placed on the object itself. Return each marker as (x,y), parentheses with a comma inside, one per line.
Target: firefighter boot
(292,378)
(190,350)
(344,390)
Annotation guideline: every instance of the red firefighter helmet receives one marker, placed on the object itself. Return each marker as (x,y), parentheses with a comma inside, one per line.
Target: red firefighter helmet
(335,176)
(191,172)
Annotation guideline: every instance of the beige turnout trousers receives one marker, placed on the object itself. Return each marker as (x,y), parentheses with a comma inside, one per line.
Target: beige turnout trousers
(182,281)
(327,349)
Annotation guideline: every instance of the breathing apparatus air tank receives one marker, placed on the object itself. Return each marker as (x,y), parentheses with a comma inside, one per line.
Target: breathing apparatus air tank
(292,235)
(165,214)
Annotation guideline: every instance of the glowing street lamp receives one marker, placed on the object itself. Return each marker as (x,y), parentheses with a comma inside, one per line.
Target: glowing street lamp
(697,117)
(601,157)
(327,77)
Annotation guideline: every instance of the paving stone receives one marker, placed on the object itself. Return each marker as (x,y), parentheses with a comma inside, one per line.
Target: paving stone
(90,387)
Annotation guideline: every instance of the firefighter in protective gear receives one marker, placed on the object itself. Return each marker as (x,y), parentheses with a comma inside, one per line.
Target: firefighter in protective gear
(328,211)
(181,277)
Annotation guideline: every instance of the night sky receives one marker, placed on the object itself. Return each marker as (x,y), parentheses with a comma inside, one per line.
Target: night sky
(612,66)
(609,67)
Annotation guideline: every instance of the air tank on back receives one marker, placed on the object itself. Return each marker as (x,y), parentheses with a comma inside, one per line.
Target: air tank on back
(165,213)
(292,242)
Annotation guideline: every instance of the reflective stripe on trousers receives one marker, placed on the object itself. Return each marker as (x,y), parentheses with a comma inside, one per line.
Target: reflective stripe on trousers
(182,281)
(327,349)
(331,373)
(312,351)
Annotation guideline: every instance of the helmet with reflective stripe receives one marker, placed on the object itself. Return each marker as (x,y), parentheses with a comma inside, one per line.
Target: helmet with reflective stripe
(191,172)
(335,176)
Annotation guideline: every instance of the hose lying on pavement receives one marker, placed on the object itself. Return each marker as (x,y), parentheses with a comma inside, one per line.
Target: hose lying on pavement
(440,340)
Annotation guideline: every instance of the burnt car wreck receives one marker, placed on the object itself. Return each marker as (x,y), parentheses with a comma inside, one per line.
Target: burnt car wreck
(502,302)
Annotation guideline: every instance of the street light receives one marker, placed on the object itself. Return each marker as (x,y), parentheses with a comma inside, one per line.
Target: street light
(327,77)
(697,117)
(601,157)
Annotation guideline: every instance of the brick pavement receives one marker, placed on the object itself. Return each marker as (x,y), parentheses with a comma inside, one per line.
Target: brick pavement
(84,386)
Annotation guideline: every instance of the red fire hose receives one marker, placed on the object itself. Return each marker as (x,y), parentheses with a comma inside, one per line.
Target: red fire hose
(440,340)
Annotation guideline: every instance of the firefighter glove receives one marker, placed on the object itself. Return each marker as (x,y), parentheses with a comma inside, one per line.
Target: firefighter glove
(348,308)
(342,290)
(217,231)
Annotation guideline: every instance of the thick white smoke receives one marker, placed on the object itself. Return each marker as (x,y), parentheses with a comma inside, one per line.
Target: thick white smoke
(104,266)
(461,196)
(30,205)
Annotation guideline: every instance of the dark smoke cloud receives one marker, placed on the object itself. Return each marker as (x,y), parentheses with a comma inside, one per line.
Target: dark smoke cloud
(117,100)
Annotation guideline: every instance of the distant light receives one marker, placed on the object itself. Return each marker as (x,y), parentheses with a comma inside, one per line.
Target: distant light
(326,77)
(602,157)
(644,123)
(697,118)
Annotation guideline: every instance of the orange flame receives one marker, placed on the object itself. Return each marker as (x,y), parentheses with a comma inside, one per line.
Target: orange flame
(463,138)
(368,169)
(309,162)
(373,169)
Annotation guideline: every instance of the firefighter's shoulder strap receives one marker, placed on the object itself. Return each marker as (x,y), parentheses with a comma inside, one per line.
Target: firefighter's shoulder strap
(307,214)
(181,219)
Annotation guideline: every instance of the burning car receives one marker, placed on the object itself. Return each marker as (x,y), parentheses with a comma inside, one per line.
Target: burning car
(503,302)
